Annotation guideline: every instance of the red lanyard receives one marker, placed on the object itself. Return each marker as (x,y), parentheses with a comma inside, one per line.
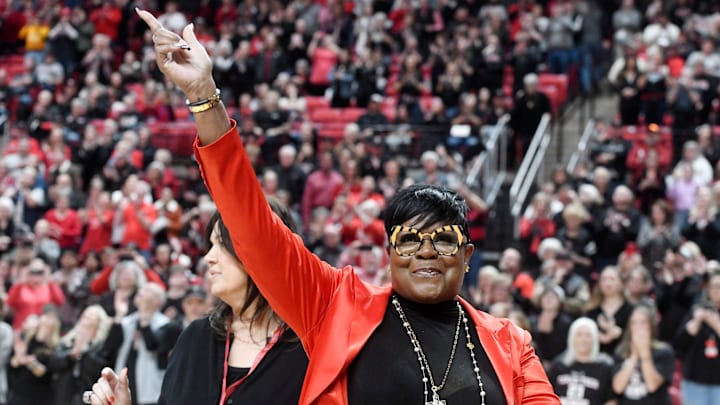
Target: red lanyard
(227,391)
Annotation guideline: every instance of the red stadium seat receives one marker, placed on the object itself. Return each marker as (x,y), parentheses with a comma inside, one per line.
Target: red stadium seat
(559,81)
(313,102)
(323,115)
(352,114)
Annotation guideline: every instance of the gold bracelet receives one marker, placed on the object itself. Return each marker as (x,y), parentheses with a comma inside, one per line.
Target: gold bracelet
(205,104)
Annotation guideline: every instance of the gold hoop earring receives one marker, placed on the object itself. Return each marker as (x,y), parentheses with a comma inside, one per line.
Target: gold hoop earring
(467,268)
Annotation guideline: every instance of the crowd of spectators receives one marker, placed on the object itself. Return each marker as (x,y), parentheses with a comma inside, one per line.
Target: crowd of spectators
(102,231)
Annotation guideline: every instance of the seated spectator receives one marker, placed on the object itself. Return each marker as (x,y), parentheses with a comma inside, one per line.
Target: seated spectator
(373,120)
(321,186)
(523,285)
(49,74)
(583,373)
(480,294)
(650,184)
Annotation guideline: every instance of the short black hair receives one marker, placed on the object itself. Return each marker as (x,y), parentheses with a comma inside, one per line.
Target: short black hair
(428,204)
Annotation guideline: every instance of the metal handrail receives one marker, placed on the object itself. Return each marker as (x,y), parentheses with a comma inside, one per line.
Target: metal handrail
(492,162)
(527,173)
(580,153)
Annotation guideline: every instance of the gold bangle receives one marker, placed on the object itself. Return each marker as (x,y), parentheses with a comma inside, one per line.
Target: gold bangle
(205,104)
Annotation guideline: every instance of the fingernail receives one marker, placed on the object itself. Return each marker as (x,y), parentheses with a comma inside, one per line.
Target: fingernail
(192,26)
(183,45)
(112,399)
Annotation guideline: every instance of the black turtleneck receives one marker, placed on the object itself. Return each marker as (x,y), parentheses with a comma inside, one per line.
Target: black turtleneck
(386,371)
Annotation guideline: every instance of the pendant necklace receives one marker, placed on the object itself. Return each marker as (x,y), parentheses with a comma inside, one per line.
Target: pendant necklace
(425,366)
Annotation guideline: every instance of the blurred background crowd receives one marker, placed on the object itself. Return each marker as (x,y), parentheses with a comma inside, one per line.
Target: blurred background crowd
(340,103)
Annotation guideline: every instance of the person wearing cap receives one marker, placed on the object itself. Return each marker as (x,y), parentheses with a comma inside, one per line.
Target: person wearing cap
(373,120)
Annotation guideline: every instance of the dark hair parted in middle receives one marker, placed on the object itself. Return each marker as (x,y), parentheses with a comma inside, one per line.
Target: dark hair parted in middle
(222,312)
(427,204)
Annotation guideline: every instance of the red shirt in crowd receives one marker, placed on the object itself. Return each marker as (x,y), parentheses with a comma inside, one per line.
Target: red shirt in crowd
(99,231)
(107,20)
(26,300)
(101,283)
(135,231)
(65,228)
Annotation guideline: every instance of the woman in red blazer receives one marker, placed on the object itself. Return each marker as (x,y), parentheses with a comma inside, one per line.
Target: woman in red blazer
(415,342)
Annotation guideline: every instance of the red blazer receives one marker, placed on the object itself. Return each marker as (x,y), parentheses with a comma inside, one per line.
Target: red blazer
(331,310)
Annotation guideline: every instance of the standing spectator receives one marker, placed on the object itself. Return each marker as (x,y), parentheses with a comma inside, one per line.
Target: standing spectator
(270,61)
(32,292)
(592,60)
(550,327)
(291,177)
(274,124)
(125,280)
(618,226)
(641,148)
(653,88)
(76,361)
(30,378)
(682,192)
(106,20)
(662,32)
(583,374)
(523,285)
(609,308)
(63,41)
(530,105)
(697,344)
(321,187)
(7,225)
(703,224)
(577,239)
(644,365)
(65,225)
(611,151)
(136,341)
(98,221)
(537,224)
(657,235)
(135,217)
(29,198)
(98,60)
(626,83)
(702,172)
(34,33)
(6,346)
(559,36)
(626,21)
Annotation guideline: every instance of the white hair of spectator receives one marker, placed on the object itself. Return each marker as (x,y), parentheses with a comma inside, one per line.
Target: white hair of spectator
(588,193)
(531,79)
(624,192)
(429,155)
(207,207)
(158,292)
(140,277)
(351,130)
(549,244)
(602,172)
(287,150)
(7,203)
(164,156)
(570,355)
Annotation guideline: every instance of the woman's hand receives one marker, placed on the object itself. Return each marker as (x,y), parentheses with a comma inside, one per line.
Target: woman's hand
(111,389)
(182,59)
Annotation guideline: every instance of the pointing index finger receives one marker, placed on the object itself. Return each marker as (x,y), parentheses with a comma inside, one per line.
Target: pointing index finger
(149,19)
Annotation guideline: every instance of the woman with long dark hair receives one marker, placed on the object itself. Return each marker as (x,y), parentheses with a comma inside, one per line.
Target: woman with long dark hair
(242,352)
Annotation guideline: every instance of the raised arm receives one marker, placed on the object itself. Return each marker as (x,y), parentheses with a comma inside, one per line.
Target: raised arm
(295,282)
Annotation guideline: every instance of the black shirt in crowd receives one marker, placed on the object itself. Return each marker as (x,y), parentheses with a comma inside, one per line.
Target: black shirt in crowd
(387,371)
(582,383)
(636,391)
(699,353)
